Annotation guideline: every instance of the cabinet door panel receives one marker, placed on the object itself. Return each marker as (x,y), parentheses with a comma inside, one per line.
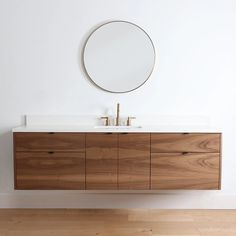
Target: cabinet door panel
(185,142)
(185,171)
(42,170)
(101,161)
(134,161)
(44,142)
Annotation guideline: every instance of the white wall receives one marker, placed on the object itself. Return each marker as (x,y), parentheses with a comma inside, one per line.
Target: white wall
(41,73)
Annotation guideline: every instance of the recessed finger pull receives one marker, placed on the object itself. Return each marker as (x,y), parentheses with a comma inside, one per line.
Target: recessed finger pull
(184,153)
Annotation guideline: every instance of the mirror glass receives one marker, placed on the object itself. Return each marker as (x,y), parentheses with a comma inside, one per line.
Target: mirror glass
(119,56)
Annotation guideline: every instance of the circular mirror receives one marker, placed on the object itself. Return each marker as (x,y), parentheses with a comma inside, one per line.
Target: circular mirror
(119,56)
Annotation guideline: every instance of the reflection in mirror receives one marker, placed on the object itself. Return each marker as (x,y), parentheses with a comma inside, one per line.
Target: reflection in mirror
(119,56)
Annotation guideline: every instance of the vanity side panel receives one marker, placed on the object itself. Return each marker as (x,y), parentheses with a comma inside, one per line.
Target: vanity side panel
(185,142)
(134,161)
(14,159)
(220,163)
(185,171)
(101,161)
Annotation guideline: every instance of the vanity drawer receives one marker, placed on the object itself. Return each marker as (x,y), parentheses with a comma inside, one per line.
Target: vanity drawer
(185,142)
(49,170)
(185,171)
(65,142)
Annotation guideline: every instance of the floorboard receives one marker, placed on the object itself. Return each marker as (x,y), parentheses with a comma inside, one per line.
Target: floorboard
(76,222)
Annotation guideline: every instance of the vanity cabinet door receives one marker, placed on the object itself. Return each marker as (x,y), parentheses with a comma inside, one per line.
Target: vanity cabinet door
(134,161)
(101,161)
(49,170)
(185,170)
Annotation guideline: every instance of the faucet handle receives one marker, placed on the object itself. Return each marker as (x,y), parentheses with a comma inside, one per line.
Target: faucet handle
(129,120)
(106,118)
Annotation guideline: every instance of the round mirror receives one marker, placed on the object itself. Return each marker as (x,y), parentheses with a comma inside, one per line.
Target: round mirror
(119,56)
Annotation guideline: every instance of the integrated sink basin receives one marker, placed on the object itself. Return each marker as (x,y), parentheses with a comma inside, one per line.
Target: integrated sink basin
(118,127)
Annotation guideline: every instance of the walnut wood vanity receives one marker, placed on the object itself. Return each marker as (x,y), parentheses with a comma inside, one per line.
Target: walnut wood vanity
(117,161)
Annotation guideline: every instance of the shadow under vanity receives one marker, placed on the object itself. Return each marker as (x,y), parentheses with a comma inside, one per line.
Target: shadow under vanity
(117,161)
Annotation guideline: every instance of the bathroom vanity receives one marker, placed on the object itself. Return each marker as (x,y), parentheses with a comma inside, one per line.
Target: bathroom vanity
(115,157)
(139,159)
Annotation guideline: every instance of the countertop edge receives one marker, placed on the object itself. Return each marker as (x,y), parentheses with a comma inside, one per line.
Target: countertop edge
(145,129)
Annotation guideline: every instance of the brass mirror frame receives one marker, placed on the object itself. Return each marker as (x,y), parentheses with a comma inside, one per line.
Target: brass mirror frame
(83,52)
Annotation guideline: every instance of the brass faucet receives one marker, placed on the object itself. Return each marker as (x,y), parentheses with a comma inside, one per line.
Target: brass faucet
(106,118)
(117,119)
(128,123)
(118,114)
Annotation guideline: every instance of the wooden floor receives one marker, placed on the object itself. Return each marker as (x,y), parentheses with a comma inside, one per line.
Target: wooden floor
(68,222)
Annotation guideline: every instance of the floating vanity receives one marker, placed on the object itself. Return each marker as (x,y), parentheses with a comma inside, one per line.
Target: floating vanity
(101,158)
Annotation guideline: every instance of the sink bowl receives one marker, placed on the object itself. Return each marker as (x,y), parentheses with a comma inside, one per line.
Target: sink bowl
(118,127)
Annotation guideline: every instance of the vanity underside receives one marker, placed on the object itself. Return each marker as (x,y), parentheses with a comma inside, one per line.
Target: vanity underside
(117,161)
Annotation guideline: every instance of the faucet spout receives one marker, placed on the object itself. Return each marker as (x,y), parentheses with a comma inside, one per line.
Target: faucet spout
(118,114)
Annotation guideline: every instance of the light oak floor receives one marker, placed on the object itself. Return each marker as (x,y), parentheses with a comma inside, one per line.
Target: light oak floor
(72,222)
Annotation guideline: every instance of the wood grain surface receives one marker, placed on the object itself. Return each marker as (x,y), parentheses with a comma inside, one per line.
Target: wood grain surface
(42,170)
(185,170)
(101,161)
(125,161)
(117,222)
(65,142)
(185,142)
(134,161)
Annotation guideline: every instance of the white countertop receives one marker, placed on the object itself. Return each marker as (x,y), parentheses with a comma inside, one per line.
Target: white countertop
(94,129)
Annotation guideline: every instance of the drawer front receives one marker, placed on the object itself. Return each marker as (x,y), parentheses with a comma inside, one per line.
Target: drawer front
(185,171)
(185,142)
(65,142)
(42,170)
(134,161)
(101,161)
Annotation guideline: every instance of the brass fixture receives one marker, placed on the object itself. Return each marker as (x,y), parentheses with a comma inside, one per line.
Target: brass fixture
(118,114)
(129,120)
(117,118)
(106,118)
